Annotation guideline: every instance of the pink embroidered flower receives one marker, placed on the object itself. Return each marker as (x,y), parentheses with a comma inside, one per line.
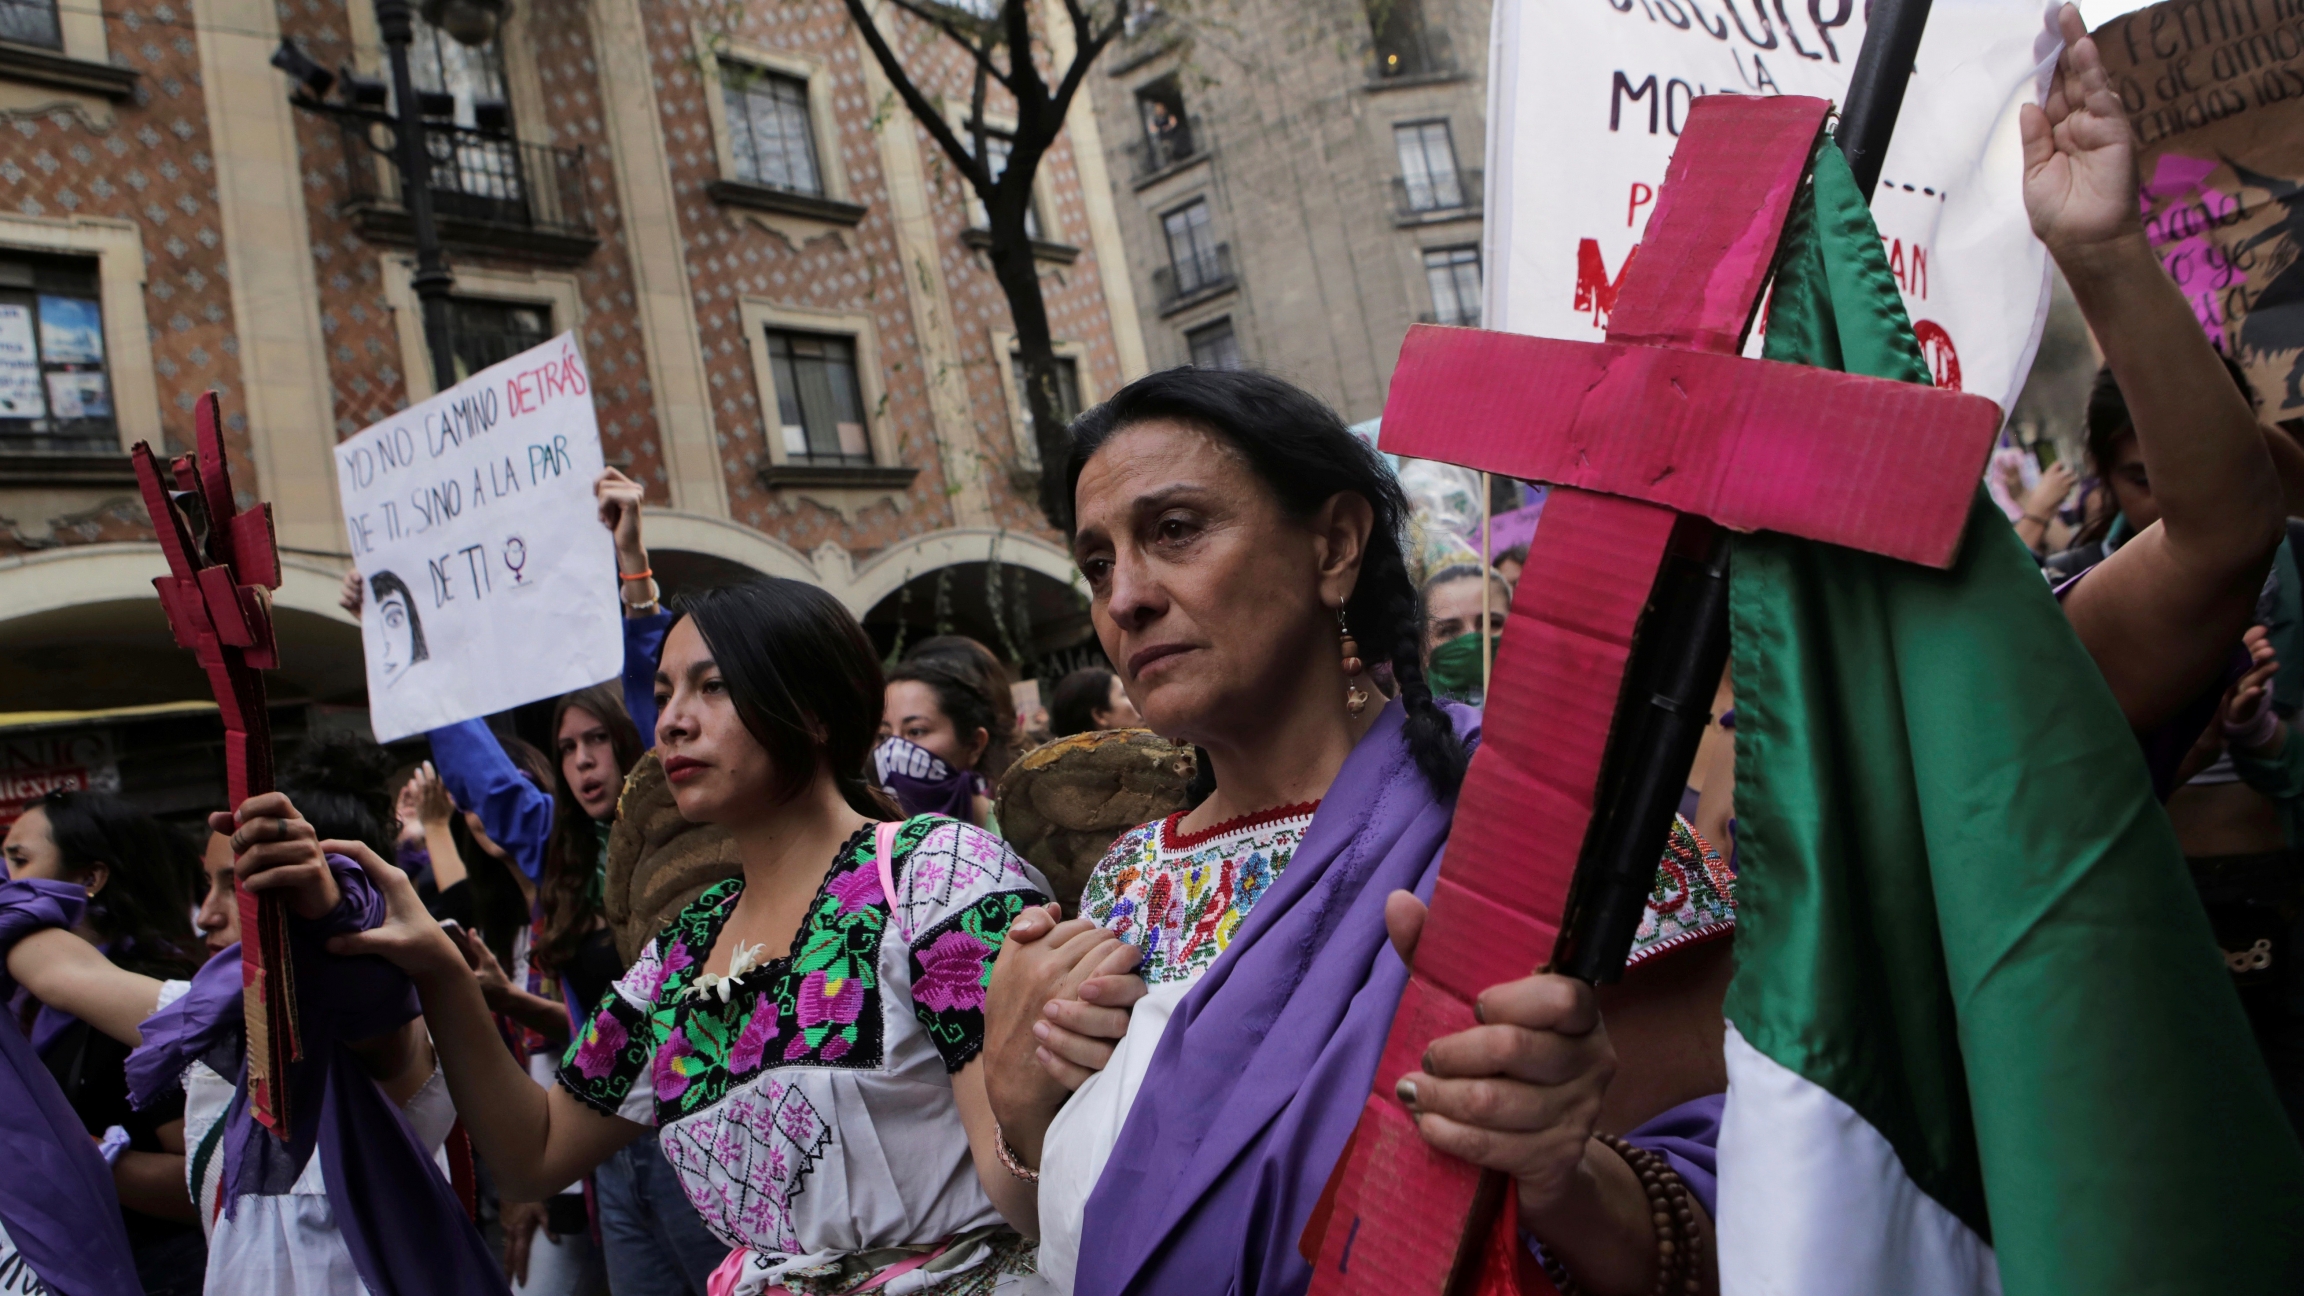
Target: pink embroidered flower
(828,999)
(676,1064)
(604,1038)
(856,890)
(951,973)
(758,1032)
(646,979)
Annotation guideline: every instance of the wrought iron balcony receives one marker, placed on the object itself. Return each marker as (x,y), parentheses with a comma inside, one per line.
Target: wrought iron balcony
(1449,196)
(1156,155)
(1194,278)
(489,191)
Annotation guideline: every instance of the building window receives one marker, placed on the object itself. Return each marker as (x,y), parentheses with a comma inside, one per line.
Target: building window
(1067,401)
(1194,256)
(1428,177)
(819,404)
(55,393)
(1214,346)
(1167,131)
(491,332)
(472,74)
(475,171)
(770,135)
(31,22)
(1454,274)
(1403,48)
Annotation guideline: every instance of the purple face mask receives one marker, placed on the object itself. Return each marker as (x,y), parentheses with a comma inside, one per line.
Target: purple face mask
(922,783)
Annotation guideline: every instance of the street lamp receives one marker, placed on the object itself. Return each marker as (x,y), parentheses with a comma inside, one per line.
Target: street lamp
(362,101)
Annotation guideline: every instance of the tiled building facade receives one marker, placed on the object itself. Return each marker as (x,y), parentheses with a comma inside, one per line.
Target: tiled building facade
(795,340)
(1298,183)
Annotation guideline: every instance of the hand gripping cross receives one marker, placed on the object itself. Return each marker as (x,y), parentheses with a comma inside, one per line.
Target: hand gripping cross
(1657,440)
(222,565)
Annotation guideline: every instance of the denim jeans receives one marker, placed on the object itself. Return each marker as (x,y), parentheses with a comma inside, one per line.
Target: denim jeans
(656,1243)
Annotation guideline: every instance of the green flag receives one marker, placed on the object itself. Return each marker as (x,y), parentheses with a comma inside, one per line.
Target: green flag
(1981,1038)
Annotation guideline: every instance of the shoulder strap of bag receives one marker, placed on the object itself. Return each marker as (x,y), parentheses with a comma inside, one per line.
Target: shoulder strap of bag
(886,838)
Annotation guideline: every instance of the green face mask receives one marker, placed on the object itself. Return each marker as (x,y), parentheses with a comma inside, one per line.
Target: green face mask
(1455,669)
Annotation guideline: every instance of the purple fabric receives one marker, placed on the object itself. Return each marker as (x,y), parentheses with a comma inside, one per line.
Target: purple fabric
(401,1221)
(56,1196)
(1689,1137)
(923,784)
(414,860)
(643,644)
(1517,527)
(1263,1070)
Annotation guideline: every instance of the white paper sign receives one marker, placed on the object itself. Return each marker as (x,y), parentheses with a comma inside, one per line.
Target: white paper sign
(490,581)
(1588,97)
(20,395)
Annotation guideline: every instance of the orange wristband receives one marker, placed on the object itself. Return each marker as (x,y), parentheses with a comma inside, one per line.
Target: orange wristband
(645,573)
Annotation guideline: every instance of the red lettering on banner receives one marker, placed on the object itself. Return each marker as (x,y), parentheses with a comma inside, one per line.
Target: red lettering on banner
(1595,290)
(1642,195)
(529,391)
(1936,348)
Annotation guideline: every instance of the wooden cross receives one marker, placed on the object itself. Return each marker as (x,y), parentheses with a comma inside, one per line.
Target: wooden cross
(222,564)
(1654,441)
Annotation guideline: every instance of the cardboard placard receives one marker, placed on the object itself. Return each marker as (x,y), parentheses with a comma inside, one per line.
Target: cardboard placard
(490,581)
(2216,96)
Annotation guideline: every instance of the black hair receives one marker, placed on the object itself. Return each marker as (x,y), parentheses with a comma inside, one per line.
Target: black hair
(2107,421)
(803,678)
(1305,456)
(991,680)
(338,782)
(1078,697)
(961,695)
(146,903)
(385,582)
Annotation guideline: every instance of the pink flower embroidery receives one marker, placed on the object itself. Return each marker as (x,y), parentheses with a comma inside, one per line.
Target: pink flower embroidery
(856,890)
(827,999)
(671,1076)
(951,973)
(604,1038)
(745,1057)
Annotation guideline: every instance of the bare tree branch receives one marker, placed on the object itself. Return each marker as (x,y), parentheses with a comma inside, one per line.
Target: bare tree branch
(981,52)
(970,166)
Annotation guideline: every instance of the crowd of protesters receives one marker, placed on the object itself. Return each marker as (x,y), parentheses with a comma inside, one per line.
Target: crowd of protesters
(875,1056)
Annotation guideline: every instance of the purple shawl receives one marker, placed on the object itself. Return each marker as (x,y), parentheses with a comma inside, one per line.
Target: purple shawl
(401,1221)
(56,1197)
(1263,1070)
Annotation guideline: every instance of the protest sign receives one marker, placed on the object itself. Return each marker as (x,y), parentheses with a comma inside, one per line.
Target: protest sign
(2215,92)
(490,581)
(1587,99)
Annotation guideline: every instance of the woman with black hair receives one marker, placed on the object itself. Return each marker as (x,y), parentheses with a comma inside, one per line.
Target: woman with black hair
(138,876)
(1087,699)
(937,747)
(1244,558)
(804,1040)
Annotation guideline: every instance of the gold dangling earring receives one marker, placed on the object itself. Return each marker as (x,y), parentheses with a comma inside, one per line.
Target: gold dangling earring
(1355,697)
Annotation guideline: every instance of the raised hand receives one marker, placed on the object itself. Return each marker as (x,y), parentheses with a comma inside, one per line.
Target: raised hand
(2079,154)
(275,850)
(619,497)
(352,594)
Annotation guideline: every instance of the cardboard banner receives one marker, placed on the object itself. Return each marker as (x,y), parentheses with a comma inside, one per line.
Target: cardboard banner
(490,581)
(2216,94)
(1588,99)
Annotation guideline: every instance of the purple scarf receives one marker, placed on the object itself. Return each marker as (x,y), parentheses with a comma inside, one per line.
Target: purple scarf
(1262,1072)
(407,1233)
(923,784)
(56,1196)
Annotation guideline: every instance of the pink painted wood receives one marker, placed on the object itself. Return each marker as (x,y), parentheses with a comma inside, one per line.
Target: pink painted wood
(1651,437)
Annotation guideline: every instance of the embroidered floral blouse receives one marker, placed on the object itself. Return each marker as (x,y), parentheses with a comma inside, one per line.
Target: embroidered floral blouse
(1181,895)
(806,1104)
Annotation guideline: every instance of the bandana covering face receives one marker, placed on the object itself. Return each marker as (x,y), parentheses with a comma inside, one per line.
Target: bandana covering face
(1455,670)
(923,784)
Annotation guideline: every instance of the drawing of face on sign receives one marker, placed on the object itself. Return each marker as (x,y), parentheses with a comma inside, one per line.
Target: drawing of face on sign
(403,631)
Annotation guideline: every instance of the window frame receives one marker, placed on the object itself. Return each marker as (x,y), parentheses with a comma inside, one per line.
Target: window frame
(1231,330)
(1012,390)
(1208,263)
(1456,252)
(773,79)
(758,315)
(458,300)
(1455,176)
(118,247)
(823,127)
(555,289)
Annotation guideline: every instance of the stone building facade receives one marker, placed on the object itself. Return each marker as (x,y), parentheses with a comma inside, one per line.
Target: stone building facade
(1298,183)
(795,340)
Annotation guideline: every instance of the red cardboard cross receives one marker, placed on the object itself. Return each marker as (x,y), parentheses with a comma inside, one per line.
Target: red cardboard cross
(1656,433)
(222,563)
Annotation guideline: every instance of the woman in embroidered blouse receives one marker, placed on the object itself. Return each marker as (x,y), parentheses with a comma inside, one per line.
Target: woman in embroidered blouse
(1244,558)
(805,1043)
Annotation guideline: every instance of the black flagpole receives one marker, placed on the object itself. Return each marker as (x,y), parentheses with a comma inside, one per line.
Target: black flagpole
(1675,669)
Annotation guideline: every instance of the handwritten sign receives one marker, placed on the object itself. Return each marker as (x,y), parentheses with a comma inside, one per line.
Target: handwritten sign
(1588,99)
(2216,94)
(490,581)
